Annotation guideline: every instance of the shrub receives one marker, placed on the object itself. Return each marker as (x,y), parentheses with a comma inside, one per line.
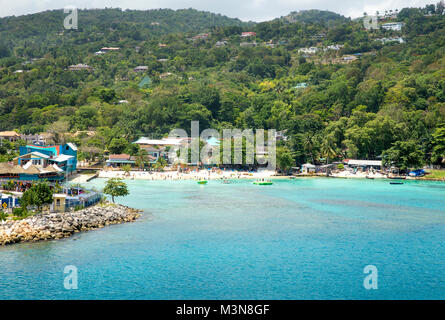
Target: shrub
(19,212)
(3,215)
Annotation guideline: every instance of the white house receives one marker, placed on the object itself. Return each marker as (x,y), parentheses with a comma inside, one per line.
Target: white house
(396,26)
(308,168)
(311,50)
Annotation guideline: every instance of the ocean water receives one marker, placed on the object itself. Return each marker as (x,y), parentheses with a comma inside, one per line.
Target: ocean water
(297,239)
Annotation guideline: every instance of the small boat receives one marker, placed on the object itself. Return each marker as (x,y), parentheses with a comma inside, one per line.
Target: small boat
(368,177)
(202,182)
(396,183)
(263,183)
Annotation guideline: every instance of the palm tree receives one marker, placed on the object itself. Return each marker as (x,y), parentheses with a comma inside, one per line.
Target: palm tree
(126,168)
(160,164)
(141,158)
(308,142)
(328,148)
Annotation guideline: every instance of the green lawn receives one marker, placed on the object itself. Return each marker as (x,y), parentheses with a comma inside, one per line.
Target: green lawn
(436,174)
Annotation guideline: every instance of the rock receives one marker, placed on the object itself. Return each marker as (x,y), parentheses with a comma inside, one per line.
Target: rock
(61,225)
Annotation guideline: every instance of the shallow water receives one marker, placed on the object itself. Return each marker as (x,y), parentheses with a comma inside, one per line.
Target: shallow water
(297,239)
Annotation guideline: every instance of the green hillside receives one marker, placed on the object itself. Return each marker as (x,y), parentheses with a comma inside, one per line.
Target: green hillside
(360,94)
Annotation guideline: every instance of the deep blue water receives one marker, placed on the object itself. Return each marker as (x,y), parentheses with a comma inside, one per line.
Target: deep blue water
(296,239)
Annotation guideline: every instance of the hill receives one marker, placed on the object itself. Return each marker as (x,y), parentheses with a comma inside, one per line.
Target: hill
(315,17)
(339,90)
(135,24)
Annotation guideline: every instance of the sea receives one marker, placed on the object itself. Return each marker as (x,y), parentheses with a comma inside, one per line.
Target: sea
(306,238)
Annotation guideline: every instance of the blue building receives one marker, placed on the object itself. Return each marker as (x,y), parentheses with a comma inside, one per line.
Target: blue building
(63,156)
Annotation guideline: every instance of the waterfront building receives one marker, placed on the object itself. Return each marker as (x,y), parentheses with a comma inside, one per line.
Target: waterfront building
(364,164)
(72,198)
(308,168)
(64,156)
(67,199)
(119,160)
(29,173)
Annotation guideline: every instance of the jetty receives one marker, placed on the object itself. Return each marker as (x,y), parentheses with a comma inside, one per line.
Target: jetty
(53,226)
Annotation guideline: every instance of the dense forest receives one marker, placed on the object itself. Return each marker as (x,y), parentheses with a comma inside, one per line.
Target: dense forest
(360,94)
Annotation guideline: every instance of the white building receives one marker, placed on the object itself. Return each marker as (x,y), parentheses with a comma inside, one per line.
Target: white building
(396,26)
(308,168)
(376,164)
(311,50)
(388,40)
(335,47)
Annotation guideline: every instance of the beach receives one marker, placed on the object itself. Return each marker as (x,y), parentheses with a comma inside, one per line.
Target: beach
(192,175)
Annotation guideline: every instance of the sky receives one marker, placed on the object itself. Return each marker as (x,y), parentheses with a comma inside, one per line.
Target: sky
(246,10)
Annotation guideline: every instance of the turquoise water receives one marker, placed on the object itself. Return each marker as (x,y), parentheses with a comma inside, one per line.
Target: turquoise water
(296,239)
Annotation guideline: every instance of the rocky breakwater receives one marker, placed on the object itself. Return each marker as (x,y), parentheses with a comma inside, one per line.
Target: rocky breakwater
(51,226)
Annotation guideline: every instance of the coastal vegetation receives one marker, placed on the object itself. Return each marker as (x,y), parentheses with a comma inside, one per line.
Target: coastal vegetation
(116,187)
(38,195)
(363,99)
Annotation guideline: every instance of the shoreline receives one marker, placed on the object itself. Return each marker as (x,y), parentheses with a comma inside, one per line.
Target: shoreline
(241,175)
(54,226)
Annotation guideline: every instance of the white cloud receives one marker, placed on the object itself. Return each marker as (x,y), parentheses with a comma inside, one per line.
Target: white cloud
(256,10)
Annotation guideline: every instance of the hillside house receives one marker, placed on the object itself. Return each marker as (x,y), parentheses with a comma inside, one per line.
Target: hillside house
(107,49)
(395,26)
(11,136)
(311,50)
(248,34)
(80,66)
(141,69)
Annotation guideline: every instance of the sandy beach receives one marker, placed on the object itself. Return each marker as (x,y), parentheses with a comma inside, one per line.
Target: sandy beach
(358,174)
(193,175)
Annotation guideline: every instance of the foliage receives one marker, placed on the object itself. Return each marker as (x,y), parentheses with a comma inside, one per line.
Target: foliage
(160,164)
(116,187)
(141,158)
(285,159)
(20,212)
(10,185)
(404,155)
(394,92)
(438,145)
(3,215)
(126,168)
(38,195)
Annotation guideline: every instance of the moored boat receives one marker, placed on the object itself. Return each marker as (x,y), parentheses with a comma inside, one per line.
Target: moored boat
(263,182)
